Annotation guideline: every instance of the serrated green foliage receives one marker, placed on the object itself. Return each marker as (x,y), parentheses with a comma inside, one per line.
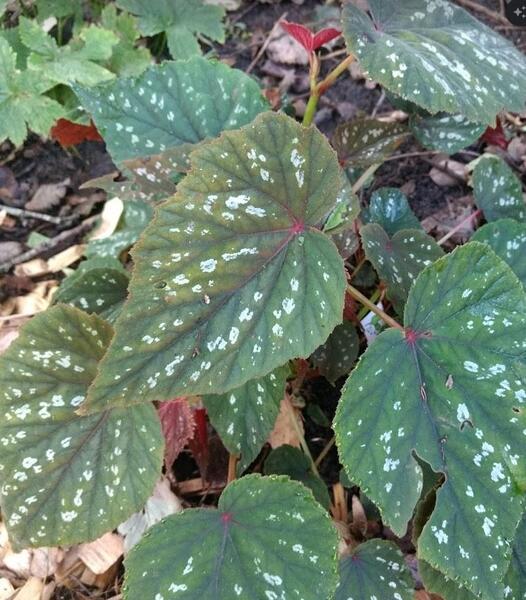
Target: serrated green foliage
(515,580)
(497,190)
(267,538)
(375,569)
(59,9)
(180,20)
(65,478)
(185,103)
(445,133)
(507,238)
(78,61)
(245,416)
(98,286)
(452,390)
(233,277)
(399,259)
(136,215)
(127,60)
(364,142)
(435,582)
(22,105)
(337,356)
(287,460)
(390,209)
(438,56)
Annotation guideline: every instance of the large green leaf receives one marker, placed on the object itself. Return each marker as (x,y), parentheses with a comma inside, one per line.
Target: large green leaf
(268,539)
(515,579)
(446,133)
(497,190)
(364,142)
(65,478)
(245,416)
(451,388)
(435,582)
(507,238)
(389,208)
(22,105)
(232,278)
(374,569)
(438,56)
(171,104)
(182,20)
(399,259)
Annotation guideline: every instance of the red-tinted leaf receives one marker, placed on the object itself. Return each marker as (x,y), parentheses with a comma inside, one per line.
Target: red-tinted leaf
(300,33)
(178,424)
(198,444)
(325,36)
(496,136)
(67,133)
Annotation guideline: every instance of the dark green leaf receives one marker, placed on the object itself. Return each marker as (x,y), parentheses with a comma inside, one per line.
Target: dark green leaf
(436,582)
(232,278)
(337,356)
(498,191)
(65,478)
(446,133)
(438,56)
(268,539)
(172,104)
(287,460)
(364,142)
(451,389)
(389,208)
(398,260)
(245,416)
(515,580)
(374,569)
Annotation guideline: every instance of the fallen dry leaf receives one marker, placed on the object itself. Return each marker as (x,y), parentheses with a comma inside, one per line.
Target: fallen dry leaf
(48,195)
(31,590)
(30,304)
(6,589)
(284,431)
(178,424)
(9,250)
(284,49)
(109,219)
(448,172)
(39,266)
(103,553)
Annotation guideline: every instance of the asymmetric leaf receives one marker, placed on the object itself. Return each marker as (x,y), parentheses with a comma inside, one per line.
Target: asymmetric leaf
(446,133)
(182,20)
(375,569)
(232,278)
(364,142)
(65,478)
(497,190)
(268,539)
(437,55)
(390,209)
(507,238)
(245,416)
(337,356)
(398,260)
(452,388)
(171,104)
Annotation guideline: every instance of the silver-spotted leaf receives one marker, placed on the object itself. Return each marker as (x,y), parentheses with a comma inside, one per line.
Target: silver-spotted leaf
(364,142)
(375,569)
(445,133)
(389,208)
(452,388)
(497,190)
(507,238)
(245,416)
(399,259)
(181,20)
(66,478)
(437,55)
(337,356)
(268,539)
(515,580)
(183,102)
(232,278)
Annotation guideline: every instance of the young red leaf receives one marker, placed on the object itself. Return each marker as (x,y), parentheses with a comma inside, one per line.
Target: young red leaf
(325,36)
(306,38)
(496,136)
(67,133)
(178,424)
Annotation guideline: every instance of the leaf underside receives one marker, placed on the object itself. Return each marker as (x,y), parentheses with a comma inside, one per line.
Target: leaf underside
(268,539)
(453,391)
(65,478)
(232,278)
(437,55)
(182,102)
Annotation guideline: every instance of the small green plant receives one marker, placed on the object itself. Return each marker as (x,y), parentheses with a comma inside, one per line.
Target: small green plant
(237,276)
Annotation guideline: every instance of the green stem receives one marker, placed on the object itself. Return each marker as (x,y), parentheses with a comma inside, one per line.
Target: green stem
(362,180)
(365,311)
(310,110)
(301,437)
(325,451)
(373,308)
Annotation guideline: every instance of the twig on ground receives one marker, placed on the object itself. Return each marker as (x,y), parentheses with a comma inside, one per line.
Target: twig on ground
(29,214)
(265,43)
(459,226)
